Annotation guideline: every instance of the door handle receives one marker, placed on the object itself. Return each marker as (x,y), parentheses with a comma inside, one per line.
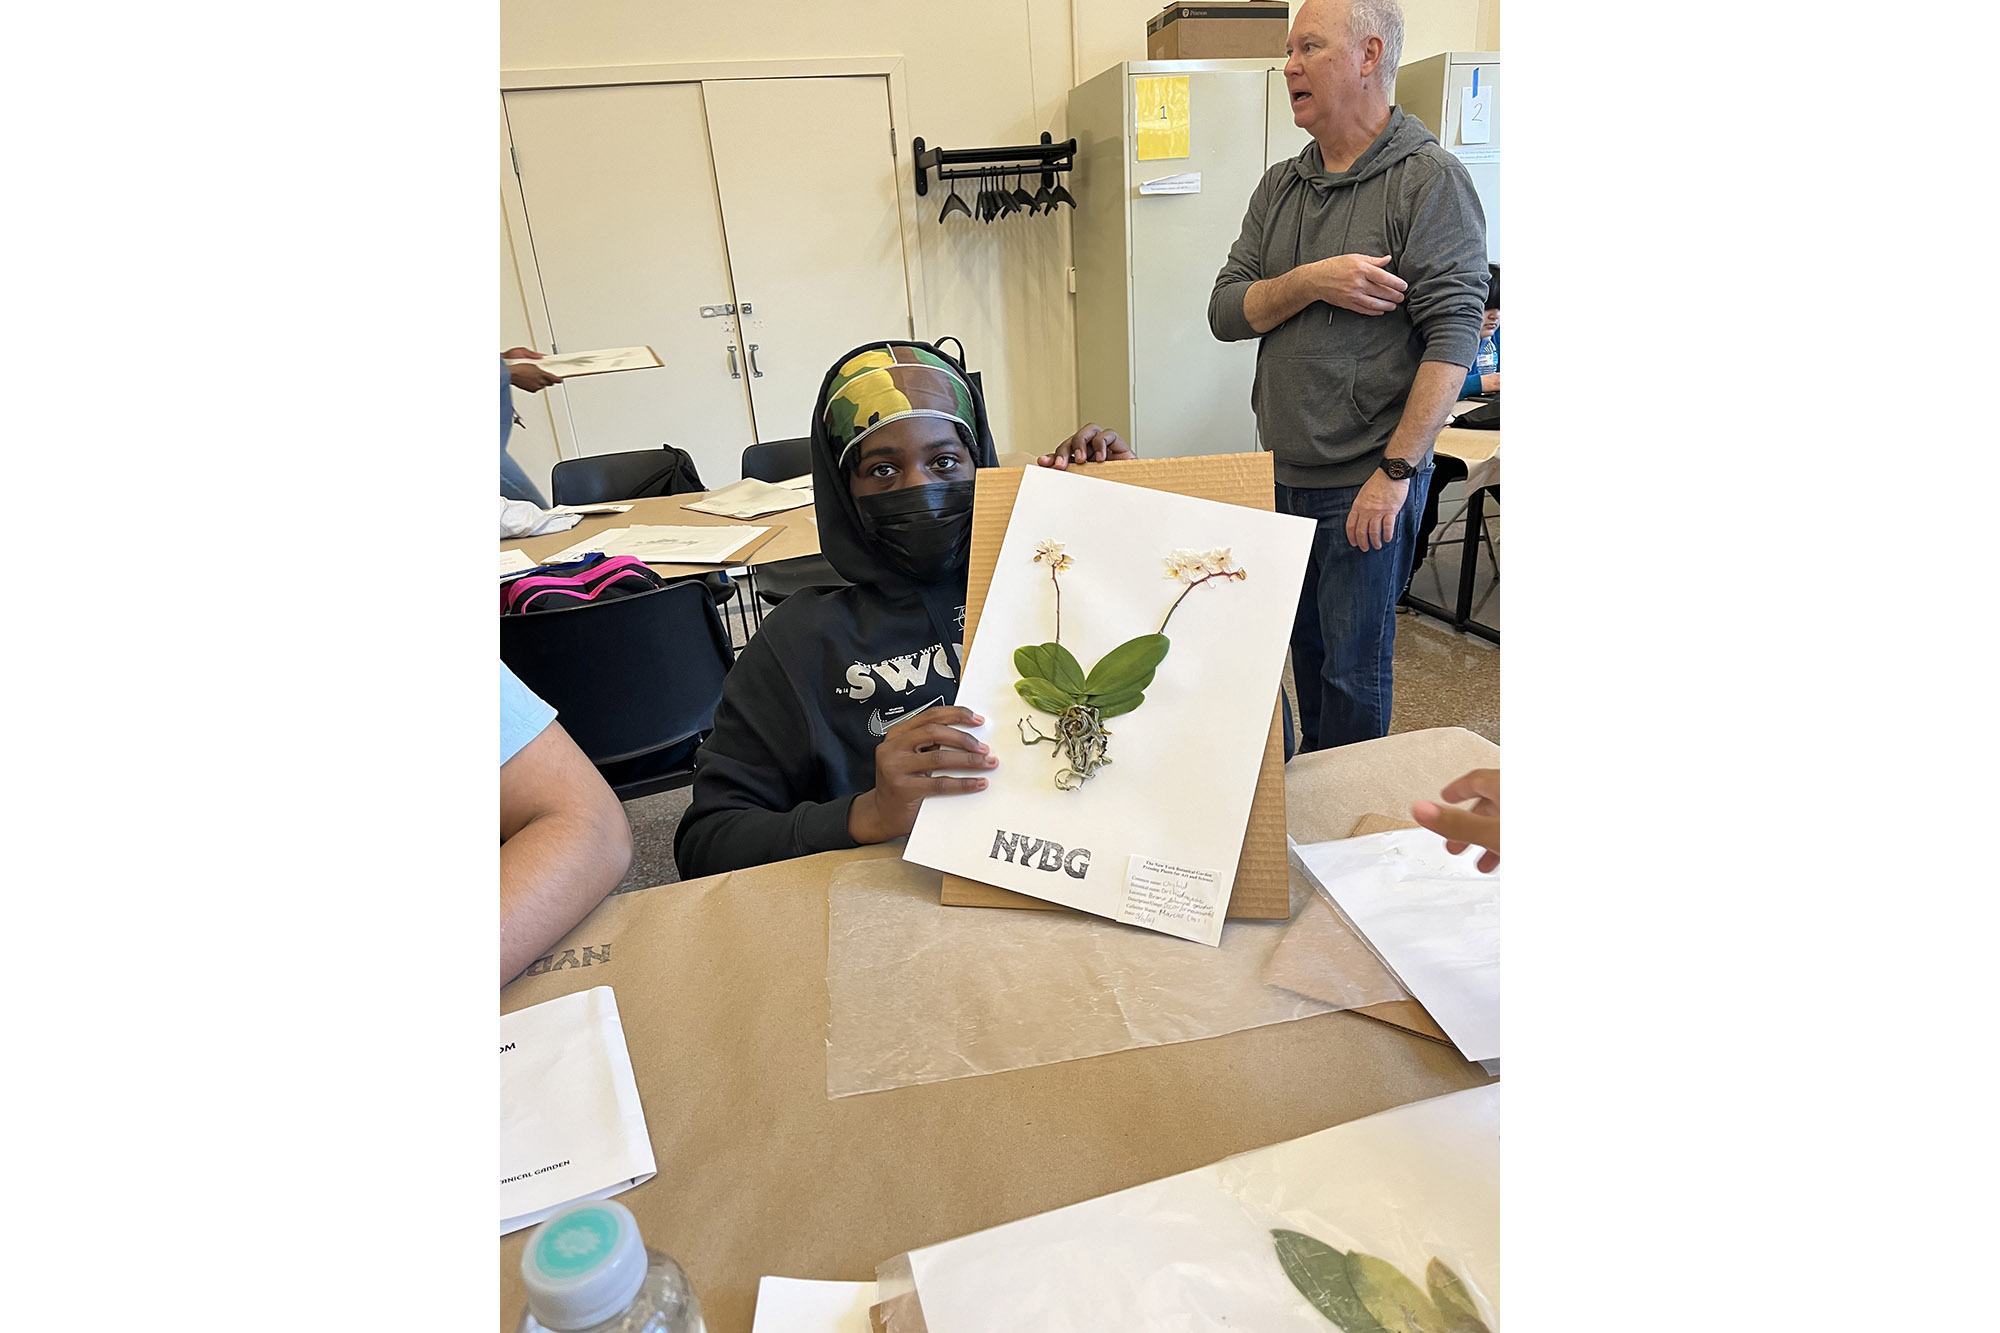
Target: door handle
(755,373)
(734,373)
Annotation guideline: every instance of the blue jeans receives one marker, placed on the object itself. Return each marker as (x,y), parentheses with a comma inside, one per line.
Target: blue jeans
(1344,635)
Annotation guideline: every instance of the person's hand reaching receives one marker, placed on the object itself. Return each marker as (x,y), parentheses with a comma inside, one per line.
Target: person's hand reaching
(1092,444)
(1476,827)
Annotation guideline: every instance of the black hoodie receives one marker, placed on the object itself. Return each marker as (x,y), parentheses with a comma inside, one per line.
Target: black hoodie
(810,697)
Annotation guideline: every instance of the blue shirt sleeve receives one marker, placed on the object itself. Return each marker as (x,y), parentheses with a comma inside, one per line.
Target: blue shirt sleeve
(523,716)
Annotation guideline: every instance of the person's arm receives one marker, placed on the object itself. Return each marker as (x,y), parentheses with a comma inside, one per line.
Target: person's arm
(1474,385)
(1247,304)
(1444,259)
(564,845)
(1477,827)
(1092,443)
(753,796)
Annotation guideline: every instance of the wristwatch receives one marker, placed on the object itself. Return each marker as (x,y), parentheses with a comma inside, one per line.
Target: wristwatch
(1399,469)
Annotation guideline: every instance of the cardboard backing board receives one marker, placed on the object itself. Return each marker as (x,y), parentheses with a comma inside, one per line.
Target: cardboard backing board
(1218,32)
(1262,889)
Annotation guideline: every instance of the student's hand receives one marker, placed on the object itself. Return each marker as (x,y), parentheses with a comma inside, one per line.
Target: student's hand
(1477,827)
(528,379)
(1371,519)
(1490,383)
(909,753)
(1092,444)
(1360,283)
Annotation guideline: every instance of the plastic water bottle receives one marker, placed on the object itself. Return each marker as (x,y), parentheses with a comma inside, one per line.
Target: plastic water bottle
(588,1272)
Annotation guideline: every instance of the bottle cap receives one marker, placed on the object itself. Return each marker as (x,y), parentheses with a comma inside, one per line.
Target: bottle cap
(583,1265)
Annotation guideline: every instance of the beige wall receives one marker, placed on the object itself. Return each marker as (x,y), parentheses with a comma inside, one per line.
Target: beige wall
(978,74)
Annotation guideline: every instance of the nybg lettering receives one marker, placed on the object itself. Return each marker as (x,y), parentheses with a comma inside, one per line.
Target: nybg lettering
(1038,854)
(556,962)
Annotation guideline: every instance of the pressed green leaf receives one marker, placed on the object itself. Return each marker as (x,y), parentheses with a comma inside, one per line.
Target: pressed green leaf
(1320,1273)
(1128,666)
(1116,705)
(1034,661)
(1453,1301)
(1397,1303)
(1043,695)
(1051,662)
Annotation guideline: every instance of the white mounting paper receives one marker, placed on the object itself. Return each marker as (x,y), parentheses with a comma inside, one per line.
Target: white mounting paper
(1195,1251)
(571,1126)
(1183,765)
(599,362)
(750,498)
(515,562)
(660,544)
(800,1305)
(1431,916)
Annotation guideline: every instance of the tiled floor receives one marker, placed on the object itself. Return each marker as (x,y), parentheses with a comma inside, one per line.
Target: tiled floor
(1443,679)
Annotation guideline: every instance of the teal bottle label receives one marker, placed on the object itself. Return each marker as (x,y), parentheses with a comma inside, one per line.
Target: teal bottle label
(577,1243)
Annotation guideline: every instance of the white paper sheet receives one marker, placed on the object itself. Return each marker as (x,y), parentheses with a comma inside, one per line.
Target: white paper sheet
(1475,116)
(571,1126)
(1195,1251)
(514,562)
(750,498)
(1184,765)
(798,1305)
(659,544)
(802,482)
(1432,917)
(586,511)
(593,363)
(1187,182)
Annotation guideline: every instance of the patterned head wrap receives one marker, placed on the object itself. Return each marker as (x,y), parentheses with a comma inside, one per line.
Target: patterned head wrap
(887,384)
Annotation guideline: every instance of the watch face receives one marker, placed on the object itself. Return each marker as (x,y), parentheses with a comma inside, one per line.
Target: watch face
(1398,469)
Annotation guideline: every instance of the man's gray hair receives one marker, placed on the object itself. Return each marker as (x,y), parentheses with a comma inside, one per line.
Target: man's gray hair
(1378,18)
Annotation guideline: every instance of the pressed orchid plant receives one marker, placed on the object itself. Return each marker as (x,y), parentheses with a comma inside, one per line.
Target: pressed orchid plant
(1055,682)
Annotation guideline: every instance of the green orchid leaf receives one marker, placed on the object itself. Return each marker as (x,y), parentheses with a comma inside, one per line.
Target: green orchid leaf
(1129,666)
(1034,662)
(1320,1273)
(1397,1303)
(1453,1301)
(1043,695)
(1116,705)
(1051,662)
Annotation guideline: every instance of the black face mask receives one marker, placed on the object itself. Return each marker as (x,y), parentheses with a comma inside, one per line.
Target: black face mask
(925,532)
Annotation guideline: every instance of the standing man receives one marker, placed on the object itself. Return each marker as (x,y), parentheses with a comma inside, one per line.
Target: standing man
(1362,268)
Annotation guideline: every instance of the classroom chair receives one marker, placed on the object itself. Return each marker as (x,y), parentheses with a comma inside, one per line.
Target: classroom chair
(781,460)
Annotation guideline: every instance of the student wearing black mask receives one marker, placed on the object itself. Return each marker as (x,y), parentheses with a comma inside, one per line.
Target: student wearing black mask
(841,707)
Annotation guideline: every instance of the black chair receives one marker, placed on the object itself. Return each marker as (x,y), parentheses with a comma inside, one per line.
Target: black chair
(781,460)
(634,681)
(637,475)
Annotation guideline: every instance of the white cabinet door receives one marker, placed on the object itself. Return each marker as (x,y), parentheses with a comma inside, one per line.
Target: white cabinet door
(1191,392)
(809,200)
(628,238)
(1283,140)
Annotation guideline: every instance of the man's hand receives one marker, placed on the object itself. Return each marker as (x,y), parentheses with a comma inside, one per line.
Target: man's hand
(1092,444)
(1477,827)
(909,753)
(1371,519)
(1490,383)
(528,379)
(1360,283)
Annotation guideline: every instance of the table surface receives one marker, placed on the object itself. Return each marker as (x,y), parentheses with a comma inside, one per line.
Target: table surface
(798,533)
(721,987)
(1468,446)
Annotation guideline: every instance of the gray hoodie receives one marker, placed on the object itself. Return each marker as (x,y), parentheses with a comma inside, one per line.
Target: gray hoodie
(1331,383)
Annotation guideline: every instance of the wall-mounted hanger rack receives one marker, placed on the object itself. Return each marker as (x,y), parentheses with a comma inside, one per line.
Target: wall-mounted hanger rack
(1046,157)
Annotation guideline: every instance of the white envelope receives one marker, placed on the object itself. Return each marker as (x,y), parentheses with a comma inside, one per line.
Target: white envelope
(571,1126)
